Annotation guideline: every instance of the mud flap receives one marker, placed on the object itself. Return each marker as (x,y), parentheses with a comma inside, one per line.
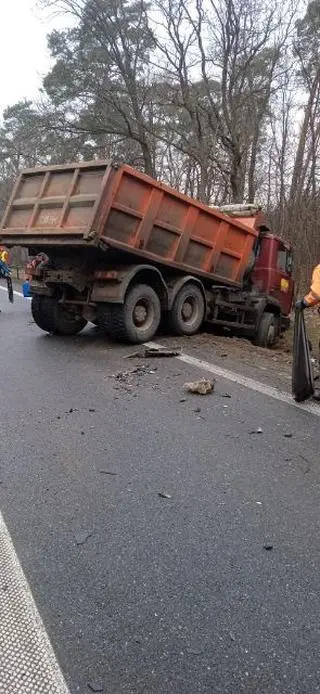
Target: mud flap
(10,289)
(302,376)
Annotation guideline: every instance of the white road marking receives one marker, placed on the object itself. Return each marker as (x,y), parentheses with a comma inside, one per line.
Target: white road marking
(252,384)
(27,662)
(4,289)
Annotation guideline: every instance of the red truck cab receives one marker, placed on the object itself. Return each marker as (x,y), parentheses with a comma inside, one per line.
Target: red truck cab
(272,272)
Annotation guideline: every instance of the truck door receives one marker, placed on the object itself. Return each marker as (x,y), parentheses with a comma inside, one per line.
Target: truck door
(282,282)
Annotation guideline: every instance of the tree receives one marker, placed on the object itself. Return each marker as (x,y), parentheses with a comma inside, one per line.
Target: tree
(99,80)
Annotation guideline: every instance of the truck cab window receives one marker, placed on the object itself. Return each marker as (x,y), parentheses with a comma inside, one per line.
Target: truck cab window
(282,260)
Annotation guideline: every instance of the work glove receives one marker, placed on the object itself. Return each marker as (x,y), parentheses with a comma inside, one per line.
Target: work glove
(301,305)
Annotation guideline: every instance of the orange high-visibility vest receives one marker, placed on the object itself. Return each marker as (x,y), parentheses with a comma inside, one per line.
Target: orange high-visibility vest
(4,255)
(313,298)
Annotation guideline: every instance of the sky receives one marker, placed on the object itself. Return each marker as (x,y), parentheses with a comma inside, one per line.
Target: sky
(24,57)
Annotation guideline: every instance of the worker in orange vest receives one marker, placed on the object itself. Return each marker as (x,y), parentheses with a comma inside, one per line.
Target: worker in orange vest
(312,299)
(4,255)
(313,296)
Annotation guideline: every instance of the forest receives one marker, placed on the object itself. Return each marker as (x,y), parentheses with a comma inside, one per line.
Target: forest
(218,98)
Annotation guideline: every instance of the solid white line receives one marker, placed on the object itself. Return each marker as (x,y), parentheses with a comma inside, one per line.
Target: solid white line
(244,381)
(250,383)
(4,289)
(27,661)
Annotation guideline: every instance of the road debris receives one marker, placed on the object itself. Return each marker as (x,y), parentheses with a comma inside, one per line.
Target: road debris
(256,431)
(183,400)
(108,472)
(268,548)
(225,395)
(197,410)
(150,352)
(288,436)
(164,495)
(96,686)
(82,537)
(91,409)
(202,387)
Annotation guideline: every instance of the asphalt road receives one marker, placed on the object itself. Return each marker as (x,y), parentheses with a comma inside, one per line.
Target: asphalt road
(149,595)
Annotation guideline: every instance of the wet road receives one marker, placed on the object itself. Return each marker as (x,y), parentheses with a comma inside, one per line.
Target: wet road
(145,594)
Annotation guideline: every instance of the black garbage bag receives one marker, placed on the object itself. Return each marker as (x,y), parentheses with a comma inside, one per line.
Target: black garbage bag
(302,376)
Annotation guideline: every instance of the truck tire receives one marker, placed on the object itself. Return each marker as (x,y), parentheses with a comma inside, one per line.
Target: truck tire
(268,330)
(65,322)
(138,319)
(42,310)
(187,313)
(103,320)
(53,318)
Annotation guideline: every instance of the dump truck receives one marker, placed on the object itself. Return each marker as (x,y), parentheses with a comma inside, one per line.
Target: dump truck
(125,251)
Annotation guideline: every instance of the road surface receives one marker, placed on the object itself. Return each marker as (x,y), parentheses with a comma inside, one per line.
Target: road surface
(212,587)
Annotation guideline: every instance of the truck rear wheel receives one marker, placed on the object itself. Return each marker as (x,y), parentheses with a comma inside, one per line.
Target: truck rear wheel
(103,320)
(54,318)
(66,322)
(268,330)
(42,309)
(138,319)
(187,313)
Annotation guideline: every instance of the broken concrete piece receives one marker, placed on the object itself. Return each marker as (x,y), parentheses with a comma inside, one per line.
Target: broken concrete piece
(202,387)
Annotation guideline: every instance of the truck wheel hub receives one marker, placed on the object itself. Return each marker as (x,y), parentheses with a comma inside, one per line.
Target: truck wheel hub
(187,310)
(140,314)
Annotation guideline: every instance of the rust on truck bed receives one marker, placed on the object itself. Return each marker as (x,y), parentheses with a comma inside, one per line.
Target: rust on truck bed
(98,204)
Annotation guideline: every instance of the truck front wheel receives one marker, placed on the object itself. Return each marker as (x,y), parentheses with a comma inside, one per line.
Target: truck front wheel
(268,330)
(138,319)
(187,313)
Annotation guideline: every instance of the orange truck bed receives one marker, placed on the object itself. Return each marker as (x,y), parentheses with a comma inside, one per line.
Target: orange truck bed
(98,204)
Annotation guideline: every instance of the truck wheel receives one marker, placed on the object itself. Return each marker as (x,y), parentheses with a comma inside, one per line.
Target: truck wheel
(268,330)
(103,320)
(187,313)
(66,322)
(54,318)
(138,319)
(42,309)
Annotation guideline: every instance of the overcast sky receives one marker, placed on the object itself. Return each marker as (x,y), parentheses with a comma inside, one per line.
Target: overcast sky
(24,58)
